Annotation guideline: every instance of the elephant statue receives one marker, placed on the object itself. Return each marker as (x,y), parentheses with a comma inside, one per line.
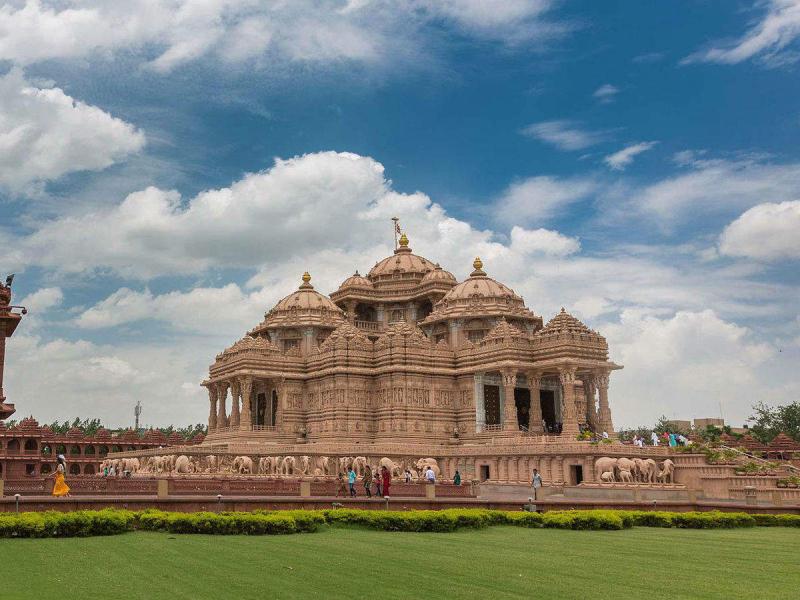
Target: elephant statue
(303,465)
(265,465)
(360,465)
(638,472)
(625,476)
(210,464)
(130,464)
(649,470)
(422,465)
(625,464)
(169,463)
(604,464)
(607,476)
(345,462)
(184,465)
(243,465)
(667,470)
(394,469)
(288,466)
(321,464)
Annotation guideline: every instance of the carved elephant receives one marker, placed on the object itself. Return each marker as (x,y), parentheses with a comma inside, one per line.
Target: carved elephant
(169,463)
(607,477)
(345,462)
(243,465)
(288,466)
(422,465)
(265,465)
(395,469)
(667,470)
(604,464)
(625,476)
(625,464)
(321,464)
(210,465)
(303,464)
(184,465)
(649,471)
(130,464)
(360,465)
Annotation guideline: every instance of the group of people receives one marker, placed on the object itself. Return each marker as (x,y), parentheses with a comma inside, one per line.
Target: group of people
(671,439)
(382,480)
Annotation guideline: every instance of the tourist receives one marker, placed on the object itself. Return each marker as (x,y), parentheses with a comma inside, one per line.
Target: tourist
(386,476)
(654,438)
(105,471)
(605,435)
(341,488)
(672,440)
(430,476)
(457,478)
(111,471)
(60,487)
(377,477)
(408,476)
(682,440)
(536,483)
(367,481)
(351,482)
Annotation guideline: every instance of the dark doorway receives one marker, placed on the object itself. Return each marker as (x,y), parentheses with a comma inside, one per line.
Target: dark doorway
(261,409)
(424,309)
(484,472)
(548,400)
(522,400)
(491,403)
(365,313)
(575,474)
(274,413)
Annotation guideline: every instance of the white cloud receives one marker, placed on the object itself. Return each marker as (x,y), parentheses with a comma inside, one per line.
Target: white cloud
(538,199)
(606,93)
(685,366)
(564,135)
(44,134)
(177,32)
(542,241)
(770,39)
(42,300)
(768,231)
(622,158)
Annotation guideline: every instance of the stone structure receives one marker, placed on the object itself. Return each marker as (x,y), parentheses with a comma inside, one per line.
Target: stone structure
(8,323)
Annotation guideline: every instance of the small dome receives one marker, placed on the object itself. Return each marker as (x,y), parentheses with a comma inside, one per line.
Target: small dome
(403,261)
(356,280)
(306,297)
(564,322)
(103,434)
(439,275)
(306,306)
(175,439)
(482,286)
(74,432)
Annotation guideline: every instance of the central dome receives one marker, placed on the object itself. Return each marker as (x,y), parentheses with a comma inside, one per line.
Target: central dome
(402,262)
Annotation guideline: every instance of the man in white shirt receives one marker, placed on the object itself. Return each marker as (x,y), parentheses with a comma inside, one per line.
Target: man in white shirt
(536,483)
(654,438)
(430,476)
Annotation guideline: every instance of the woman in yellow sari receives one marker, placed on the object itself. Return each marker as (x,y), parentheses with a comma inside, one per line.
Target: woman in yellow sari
(60,487)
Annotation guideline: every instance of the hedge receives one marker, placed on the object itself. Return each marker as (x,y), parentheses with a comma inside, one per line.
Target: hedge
(262,522)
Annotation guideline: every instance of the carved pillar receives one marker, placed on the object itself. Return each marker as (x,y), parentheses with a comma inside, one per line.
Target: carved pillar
(212,410)
(246,386)
(351,311)
(535,413)
(591,409)
(509,408)
(569,420)
(480,403)
(235,389)
(604,412)
(222,394)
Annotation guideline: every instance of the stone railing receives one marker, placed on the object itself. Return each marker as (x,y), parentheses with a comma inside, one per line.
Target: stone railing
(369,325)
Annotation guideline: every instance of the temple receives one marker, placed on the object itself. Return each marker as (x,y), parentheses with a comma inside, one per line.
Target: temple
(409,355)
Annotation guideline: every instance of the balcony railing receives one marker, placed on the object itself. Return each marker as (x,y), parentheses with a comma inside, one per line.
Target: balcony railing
(369,325)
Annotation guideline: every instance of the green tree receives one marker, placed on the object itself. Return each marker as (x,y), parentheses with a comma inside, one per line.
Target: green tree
(769,421)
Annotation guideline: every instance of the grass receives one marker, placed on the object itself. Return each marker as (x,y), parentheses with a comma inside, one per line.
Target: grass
(339,563)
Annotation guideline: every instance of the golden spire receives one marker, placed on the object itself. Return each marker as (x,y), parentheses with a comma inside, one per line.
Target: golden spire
(404,241)
(306,279)
(477,264)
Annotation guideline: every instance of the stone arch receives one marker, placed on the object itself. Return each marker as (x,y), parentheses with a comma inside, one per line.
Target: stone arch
(13,447)
(61,449)
(75,450)
(88,469)
(365,312)
(103,450)
(89,451)
(74,469)
(31,445)
(46,468)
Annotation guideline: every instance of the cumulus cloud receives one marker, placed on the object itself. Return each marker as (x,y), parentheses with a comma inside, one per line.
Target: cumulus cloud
(44,134)
(564,134)
(542,241)
(770,39)
(171,33)
(623,158)
(769,231)
(538,199)
(606,93)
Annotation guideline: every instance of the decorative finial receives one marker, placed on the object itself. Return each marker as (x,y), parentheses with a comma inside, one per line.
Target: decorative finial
(477,264)
(403,241)
(306,279)
(562,310)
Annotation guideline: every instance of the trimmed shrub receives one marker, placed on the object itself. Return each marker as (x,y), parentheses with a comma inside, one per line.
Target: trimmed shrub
(79,523)
(582,519)
(712,520)
(777,520)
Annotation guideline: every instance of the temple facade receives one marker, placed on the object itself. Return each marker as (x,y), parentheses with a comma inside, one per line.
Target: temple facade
(409,355)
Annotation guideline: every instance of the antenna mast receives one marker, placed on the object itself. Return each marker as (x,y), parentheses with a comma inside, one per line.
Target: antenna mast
(137,410)
(396,230)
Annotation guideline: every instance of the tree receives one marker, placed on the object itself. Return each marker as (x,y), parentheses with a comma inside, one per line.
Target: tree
(769,421)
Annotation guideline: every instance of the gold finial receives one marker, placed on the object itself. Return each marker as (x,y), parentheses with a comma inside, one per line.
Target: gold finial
(403,240)
(306,277)
(477,264)
(306,285)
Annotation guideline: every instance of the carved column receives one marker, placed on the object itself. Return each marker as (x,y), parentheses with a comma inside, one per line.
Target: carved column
(591,408)
(246,419)
(535,413)
(222,394)
(604,412)
(212,410)
(509,407)
(569,420)
(235,389)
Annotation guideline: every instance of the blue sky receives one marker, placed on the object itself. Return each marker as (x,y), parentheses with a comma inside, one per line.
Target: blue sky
(167,170)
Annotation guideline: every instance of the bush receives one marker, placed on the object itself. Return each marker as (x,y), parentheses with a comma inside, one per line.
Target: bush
(777,520)
(220,523)
(583,519)
(712,520)
(79,523)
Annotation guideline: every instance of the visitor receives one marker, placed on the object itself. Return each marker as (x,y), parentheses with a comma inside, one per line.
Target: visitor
(605,435)
(408,476)
(351,482)
(430,476)
(672,440)
(457,478)
(105,471)
(682,440)
(341,488)
(367,480)
(654,438)
(111,471)
(536,483)
(60,487)
(386,476)
(639,442)
(378,482)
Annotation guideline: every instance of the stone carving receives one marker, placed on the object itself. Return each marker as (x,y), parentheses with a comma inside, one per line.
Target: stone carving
(394,468)
(625,476)
(604,465)
(303,464)
(359,465)
(636,470)
(243,465)
(321,465)
(422,465)
(667,470)
(288,466)
(626,464)
(184,465)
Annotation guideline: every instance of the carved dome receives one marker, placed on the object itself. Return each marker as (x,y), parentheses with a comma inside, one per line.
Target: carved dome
(356,280)
(403,261)
(306,306)
(564,322)
(439,275)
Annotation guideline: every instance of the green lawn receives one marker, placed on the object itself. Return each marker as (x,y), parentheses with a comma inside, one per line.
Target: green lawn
(338,563)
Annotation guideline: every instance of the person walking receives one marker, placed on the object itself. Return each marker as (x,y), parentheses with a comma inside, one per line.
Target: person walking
(386,477)
(536,483)
(408,476)
(60,487)
(351,482)
(367,480)
(457,478)
(341,488)
(430,476)
(378,483)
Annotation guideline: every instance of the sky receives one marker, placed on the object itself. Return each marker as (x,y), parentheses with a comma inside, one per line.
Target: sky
(169,168)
